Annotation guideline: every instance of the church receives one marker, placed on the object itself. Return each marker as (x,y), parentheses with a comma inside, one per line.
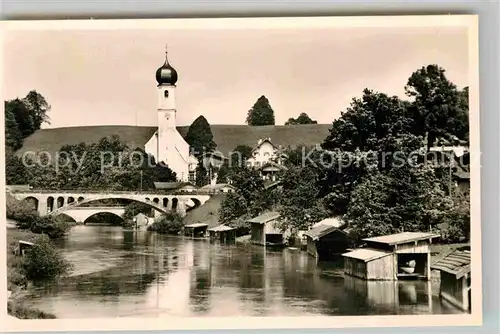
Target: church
(166,141)
(167,145)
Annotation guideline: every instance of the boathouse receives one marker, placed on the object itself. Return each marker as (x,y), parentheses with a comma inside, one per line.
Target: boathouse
(455,286)
(392,257)
(264,229)
(197,230)
(23,247)
(325,242)
(222,233)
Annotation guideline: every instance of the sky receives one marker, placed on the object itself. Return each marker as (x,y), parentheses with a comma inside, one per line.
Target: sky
(107,77)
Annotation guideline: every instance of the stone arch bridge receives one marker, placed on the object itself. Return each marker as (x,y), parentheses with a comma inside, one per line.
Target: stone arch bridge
(57,202)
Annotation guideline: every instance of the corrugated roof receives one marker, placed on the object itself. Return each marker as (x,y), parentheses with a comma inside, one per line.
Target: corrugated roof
(457,263)
(221,228)
(196,225)
(320,231)
(366,254)
(401,238)
(265,217)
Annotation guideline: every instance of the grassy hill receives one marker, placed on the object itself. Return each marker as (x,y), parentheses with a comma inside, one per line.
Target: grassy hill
(207,213)
(227,137)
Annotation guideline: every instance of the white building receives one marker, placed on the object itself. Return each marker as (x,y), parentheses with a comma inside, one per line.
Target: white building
(167,145)
(265,152)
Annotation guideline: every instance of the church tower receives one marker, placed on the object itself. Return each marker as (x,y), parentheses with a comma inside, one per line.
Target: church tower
(168,145)
(166,76)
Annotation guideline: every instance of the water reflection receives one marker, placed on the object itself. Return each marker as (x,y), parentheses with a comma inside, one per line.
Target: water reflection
(128,273)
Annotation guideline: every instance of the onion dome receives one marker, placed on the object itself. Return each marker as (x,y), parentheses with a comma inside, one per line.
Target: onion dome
(166,74)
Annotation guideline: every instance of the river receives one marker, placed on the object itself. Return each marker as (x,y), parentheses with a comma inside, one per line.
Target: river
(121,273)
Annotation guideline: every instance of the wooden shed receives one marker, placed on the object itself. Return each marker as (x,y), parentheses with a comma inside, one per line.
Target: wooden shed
(222,233)
(395,256)
(455,286)
(197,230)
(24,246)
(264,230)
(370,264)
(325,242)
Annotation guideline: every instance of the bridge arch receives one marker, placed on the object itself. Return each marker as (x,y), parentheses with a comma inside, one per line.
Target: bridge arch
(157,207)
(50,203)
(196,202)
(60,202)
(31,202)
(175,203)
(66,217)
(87,219)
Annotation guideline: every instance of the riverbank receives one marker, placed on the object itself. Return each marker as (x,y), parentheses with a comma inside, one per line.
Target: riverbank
(16,282)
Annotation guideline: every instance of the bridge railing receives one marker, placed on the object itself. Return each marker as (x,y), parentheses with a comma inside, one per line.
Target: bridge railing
(119,192)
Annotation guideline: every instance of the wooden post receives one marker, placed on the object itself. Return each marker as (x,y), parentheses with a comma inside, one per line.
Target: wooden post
(428,265)
(465,293)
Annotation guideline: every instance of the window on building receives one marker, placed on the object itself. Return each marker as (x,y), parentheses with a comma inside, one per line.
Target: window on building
(192,176)
(166,93)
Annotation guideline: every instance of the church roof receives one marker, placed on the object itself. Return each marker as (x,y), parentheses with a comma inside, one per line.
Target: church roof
(227,137)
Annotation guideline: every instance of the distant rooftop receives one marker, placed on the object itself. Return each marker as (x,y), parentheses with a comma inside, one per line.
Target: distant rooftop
(401,238)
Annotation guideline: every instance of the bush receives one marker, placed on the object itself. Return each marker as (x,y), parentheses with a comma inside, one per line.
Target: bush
(50,226)
(17,310)
(43,262)
(19,212)
(135,208)
(168,224)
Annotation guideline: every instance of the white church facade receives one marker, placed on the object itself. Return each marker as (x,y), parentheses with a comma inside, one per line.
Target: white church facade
(167,145)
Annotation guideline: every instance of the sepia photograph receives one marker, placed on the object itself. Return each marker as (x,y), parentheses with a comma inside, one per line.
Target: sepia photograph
(307,172)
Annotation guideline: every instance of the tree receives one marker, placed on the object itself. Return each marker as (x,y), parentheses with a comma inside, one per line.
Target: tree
(38,107)
(108,164)
(367,121)
(23,117)
(134,208)
(43,262)
(300,206)
(15,171)
(438,107)
(261,113)
(200,137)
(302,119)
(202,174)
(245,200)
(232,207)
(237,159)
(239,156)
(408,199)
(13,136)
